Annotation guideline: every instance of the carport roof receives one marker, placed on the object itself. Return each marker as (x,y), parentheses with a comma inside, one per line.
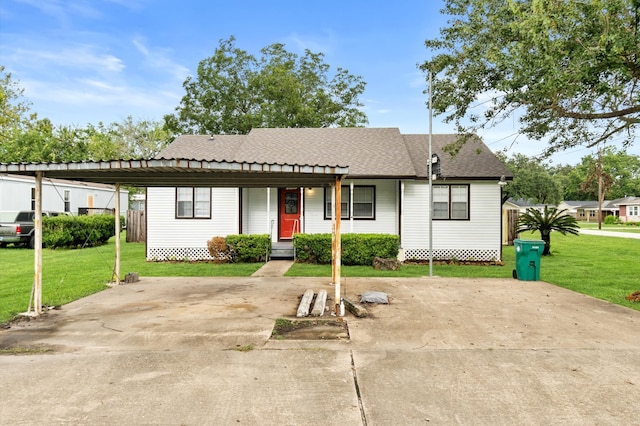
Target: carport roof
(184,172)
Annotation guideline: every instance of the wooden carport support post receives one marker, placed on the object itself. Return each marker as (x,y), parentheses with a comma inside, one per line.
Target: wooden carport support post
(36,290)
(336,247)
(116,271)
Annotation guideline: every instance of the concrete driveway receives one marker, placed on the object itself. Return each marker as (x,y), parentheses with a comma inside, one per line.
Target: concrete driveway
(445,351)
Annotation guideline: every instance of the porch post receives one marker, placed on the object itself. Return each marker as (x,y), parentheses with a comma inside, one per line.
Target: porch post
(116,272)
(338,243)
(269,212)
(301,222)
(36,291)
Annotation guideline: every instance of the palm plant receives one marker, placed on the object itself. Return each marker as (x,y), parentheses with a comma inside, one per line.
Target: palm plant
(551,219)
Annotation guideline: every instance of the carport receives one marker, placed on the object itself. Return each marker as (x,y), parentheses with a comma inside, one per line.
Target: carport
(179,173)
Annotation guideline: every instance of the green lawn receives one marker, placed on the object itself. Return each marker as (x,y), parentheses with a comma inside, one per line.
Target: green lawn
(604,267)
(614,228)
(68,275)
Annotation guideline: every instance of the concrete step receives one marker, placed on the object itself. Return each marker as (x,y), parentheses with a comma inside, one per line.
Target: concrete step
(282,250)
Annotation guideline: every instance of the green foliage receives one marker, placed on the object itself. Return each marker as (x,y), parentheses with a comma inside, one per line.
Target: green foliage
(532,181)
(249,248)
(357,249)
(234,92)
(622,170)
(360,249)
(567,69)
(77,231)
(313,248)
(551,219)
(611,220)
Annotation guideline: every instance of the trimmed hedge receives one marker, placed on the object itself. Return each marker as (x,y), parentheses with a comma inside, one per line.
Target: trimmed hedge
(249,248)
(77,231)
(357,249)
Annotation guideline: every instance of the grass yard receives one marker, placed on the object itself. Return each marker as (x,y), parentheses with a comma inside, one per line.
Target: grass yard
(68,275)
(614,228)
(604,267)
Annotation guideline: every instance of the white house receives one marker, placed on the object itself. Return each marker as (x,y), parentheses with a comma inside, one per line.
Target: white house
(18,193)
(386,191)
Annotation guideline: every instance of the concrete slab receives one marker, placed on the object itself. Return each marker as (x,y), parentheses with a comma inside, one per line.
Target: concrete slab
(444,351)
(274,268)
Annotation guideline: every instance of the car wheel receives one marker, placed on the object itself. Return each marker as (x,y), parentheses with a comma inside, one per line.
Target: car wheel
(32,242)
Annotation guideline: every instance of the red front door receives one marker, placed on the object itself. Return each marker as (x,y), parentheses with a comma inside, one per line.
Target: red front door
(289,212)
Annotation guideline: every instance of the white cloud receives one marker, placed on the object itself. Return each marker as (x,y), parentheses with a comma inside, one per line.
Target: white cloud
(159,60)
(79,56)
(316,44)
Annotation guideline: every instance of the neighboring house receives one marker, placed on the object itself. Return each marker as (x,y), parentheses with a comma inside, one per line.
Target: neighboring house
(386,191)
(571,207)
(588,210)
(629,209)
(18,193)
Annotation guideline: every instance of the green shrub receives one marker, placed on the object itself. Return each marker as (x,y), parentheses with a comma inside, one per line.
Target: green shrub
(313,248)
(357,249)
(360,249)
(77,231)
(249,248)
(611,220)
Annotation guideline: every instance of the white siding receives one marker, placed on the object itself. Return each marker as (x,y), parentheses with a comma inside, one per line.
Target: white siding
(168,237)
(254,211)
(477,238)
(386,210)
(15,194)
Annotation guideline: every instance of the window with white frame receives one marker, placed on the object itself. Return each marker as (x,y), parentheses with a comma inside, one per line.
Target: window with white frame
(634,210)
(193,203)
(451,202)
(364,202)
(67,200)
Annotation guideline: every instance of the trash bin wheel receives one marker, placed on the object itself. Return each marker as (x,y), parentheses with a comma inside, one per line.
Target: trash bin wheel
(515,274)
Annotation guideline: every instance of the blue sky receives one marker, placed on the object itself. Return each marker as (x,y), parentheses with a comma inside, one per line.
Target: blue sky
(86,61)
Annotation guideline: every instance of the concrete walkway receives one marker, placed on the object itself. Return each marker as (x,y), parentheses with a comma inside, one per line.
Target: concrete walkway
(610,233)
(273,268)
(192,351)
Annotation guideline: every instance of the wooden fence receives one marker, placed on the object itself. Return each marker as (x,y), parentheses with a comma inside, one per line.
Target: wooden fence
(136,226)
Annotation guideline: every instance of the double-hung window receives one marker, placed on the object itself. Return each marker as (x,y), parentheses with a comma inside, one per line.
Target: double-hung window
(451,202)
(364,203)
(67,201)
(193,203)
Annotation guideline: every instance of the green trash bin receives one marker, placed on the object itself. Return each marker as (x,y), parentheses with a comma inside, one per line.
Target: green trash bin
(528,254)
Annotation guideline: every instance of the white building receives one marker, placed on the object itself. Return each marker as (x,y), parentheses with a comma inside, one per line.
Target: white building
(18,193)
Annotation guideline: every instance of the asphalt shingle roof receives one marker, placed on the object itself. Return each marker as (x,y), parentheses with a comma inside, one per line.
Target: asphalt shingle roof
(368,152)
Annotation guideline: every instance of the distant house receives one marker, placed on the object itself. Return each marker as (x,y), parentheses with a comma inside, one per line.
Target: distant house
(386,191)
(588,210)
(18,193)
(629,209)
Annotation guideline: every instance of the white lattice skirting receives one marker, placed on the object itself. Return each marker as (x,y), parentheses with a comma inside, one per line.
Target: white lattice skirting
(449,254)
(201,253)
(179,253)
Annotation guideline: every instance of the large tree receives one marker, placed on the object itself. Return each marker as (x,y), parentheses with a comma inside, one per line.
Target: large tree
(233,92)
(569,70)
(532,181)
(14,108)
(619,169)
